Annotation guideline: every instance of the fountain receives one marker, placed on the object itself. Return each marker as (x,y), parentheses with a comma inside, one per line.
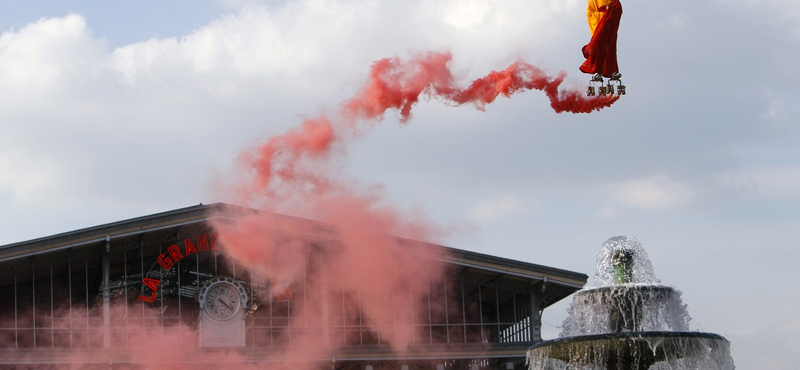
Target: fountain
(627,320)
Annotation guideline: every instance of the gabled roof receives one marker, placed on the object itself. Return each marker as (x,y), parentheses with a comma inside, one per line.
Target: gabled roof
(565,282)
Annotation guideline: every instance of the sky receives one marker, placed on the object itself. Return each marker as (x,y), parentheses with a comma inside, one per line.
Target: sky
(115,110)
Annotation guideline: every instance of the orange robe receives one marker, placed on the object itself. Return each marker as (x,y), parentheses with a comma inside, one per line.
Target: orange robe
(601,51)
(594,11)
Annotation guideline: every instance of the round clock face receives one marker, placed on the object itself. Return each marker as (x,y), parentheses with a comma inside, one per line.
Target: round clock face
(222,301)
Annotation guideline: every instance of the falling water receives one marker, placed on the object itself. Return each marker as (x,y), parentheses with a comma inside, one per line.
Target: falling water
(625,295)
(626,319)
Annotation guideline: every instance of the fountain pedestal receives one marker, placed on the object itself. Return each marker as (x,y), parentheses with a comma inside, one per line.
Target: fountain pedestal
(629,322)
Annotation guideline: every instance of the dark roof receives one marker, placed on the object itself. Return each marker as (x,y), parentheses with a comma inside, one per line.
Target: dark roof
(202,213)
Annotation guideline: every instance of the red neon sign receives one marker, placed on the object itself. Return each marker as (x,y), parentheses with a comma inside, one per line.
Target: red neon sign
(153,285)
(174,254)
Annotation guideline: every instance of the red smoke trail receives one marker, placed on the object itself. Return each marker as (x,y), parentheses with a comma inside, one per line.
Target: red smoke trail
(296,172)
(283,161)
(521,76)
(280,157)
(395,84)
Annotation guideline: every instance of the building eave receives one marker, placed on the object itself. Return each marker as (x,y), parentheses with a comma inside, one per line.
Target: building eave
(202,213)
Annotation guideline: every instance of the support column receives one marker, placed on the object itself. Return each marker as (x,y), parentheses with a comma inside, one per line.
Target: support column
(324,309)
(325,298)
(106,294)
(536,314)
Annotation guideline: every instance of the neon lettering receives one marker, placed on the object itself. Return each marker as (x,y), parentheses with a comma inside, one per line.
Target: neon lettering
(164,261)
(173,255)
(175,252)
(214,244)
(189,247)
(151,298)
(153,285)
(202,242)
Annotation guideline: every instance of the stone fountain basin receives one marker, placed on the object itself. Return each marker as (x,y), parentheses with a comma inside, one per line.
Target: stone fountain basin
(647,347)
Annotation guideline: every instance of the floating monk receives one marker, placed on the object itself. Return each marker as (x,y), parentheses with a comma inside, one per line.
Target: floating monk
(601,51)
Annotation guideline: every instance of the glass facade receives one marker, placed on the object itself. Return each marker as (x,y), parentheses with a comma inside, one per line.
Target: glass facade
(55,299)
(116,292)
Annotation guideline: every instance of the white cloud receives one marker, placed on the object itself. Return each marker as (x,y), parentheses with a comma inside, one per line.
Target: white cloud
(606,212)
(145,119)
(45,59)
(663,193)
(467,13)
(255,42)
(654,193)
(42,185)
(496,209)
(677,21)
(785,11)
(771,182)
(781,110)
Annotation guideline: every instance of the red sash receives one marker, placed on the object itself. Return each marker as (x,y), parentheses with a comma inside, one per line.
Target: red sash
(601,51)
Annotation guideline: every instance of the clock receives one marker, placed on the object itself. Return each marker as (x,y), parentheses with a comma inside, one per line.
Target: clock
(222,298)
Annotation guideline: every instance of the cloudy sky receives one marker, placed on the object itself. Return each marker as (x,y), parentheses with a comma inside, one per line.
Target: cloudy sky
(116,111)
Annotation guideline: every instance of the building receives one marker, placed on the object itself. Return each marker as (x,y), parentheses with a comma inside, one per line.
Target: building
(106,296)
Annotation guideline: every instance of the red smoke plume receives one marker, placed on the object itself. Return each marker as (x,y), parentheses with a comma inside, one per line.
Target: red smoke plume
(296,172)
